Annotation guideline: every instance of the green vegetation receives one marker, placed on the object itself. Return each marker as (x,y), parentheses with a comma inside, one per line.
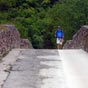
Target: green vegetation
(37,20)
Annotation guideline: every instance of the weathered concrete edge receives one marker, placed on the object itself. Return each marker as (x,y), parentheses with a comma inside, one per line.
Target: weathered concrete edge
(75,73)
(6,65)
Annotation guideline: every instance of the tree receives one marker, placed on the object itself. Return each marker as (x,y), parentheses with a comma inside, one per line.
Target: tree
(37,20)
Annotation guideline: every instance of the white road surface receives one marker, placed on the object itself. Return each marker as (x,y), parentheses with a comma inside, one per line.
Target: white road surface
(75,67)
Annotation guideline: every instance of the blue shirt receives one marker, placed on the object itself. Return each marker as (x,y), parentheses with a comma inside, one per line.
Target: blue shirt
(59,33)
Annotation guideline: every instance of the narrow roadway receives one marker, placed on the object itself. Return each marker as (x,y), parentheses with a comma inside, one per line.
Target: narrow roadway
(37,69)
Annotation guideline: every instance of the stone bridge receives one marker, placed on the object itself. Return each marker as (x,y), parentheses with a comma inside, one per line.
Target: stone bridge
(44,68)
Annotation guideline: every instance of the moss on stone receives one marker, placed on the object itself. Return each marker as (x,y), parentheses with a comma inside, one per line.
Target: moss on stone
(3,27)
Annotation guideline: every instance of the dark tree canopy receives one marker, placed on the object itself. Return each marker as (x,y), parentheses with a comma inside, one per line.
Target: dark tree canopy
(37,20)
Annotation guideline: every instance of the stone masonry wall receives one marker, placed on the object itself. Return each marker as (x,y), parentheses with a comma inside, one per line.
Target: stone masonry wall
(79,40)
(10,38)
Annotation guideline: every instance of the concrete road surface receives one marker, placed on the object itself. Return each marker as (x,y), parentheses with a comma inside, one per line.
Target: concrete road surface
(75,67)
(45,69)
(37,69)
